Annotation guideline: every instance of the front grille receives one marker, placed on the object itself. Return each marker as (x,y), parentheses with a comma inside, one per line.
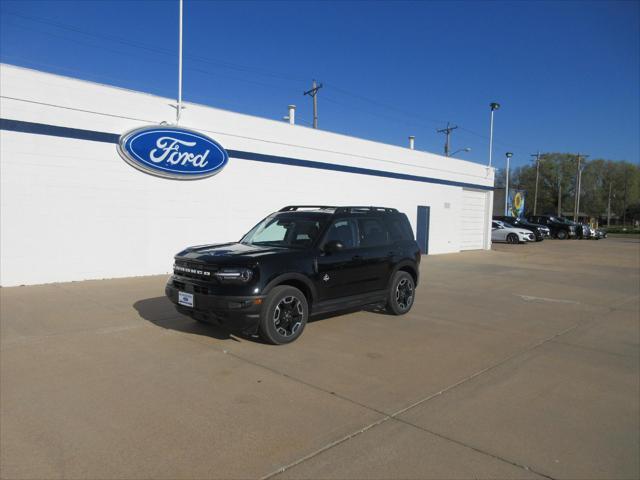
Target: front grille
(200,271)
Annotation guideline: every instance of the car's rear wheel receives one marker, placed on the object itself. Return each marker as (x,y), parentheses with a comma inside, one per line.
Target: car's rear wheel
(512,238)
(562,234)
(284,315)
(401,293)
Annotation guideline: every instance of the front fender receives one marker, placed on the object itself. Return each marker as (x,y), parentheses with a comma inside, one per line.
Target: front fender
(298,277)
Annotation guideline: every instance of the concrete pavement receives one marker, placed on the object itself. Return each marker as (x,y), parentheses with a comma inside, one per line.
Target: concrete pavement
(522,362)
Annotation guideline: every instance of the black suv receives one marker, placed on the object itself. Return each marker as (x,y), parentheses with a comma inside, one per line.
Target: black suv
(297,262)
(540,231)
(559,227)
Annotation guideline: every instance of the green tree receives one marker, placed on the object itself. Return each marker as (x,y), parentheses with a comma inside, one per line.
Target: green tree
(557,182)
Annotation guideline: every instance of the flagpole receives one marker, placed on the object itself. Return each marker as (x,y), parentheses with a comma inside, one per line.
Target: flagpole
(179,109)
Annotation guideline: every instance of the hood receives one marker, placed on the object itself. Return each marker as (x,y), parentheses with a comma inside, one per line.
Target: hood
(227,253)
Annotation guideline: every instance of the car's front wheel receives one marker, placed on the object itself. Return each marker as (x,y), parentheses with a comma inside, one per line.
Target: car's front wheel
(512,238)
(284,315)
(562,234)
(401,293)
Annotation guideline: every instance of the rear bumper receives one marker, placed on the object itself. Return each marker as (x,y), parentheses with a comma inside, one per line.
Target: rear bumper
(242,313)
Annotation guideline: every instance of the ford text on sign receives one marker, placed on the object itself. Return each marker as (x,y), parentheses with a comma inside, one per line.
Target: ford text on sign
(172,152)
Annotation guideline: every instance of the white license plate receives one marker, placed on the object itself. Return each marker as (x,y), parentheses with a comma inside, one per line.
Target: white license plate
(185,299)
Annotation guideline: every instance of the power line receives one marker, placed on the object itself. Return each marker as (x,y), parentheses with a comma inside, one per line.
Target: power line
(162,51)
(218,63)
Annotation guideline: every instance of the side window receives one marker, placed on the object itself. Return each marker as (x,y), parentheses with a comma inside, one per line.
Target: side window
(345,231)
(372,232)
(399,228)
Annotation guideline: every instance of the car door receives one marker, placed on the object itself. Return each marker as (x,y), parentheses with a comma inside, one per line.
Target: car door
(339,273)
(376,253)
(498,233)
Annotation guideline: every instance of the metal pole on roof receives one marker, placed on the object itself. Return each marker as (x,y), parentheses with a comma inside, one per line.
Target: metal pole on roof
(179,109)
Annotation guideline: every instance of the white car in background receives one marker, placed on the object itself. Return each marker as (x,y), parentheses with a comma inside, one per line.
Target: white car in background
(500,232)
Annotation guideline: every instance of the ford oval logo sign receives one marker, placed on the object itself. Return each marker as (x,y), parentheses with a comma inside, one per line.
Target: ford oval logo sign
(172,152)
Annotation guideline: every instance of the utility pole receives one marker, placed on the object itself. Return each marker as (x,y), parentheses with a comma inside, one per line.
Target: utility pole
(535,197)
(609,205)
(313,94)
(578,188)
(624,203)
(559,196)
(447,144)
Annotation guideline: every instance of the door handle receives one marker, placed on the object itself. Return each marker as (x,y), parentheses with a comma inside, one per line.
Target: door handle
(391,253)
(356,257)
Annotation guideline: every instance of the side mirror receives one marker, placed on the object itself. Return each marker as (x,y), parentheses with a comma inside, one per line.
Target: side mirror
(333,246)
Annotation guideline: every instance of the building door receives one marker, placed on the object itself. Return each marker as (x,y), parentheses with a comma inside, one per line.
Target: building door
(422,230)
(473,219)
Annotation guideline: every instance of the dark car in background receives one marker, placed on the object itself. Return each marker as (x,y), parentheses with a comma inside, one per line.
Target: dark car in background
(558,226)
(540,231)
(583,231)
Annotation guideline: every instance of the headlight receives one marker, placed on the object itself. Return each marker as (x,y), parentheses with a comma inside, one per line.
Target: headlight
(234,275)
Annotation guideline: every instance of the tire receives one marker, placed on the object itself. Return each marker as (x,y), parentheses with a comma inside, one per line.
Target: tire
(562,235)
(284,315)
(402,293)
(512,238)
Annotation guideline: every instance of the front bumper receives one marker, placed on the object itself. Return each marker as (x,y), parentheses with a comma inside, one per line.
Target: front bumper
(241,313)
(527,237)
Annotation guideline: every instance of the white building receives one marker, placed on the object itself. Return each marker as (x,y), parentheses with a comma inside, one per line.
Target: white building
(73,209)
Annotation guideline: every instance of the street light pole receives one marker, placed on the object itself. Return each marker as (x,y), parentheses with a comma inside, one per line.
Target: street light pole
(506,188)
(535,197)
(494,106)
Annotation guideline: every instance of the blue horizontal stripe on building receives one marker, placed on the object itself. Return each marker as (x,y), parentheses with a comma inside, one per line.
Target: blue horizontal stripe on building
(105,137)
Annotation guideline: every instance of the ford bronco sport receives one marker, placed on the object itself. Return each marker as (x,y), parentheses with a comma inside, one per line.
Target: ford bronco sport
(298,262)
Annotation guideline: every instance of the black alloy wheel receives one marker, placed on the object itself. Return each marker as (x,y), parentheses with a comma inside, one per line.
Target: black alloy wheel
(562,235)
(512,238)
(401,293)
(284,315)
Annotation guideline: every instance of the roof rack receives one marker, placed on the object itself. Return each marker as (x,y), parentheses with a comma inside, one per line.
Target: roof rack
(362,209)
(350,209)
(293,208)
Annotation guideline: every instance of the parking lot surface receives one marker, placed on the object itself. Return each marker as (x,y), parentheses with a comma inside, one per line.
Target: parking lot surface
(521,362)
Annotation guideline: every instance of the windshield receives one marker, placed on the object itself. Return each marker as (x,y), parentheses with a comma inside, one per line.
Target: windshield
(285,231)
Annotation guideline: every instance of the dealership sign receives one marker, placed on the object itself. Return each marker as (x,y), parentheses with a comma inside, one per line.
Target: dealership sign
(172,152)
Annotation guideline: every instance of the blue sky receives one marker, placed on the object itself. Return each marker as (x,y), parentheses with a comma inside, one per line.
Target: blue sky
(566,73)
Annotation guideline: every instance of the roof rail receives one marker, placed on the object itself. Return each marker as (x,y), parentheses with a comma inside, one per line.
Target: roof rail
(292,208)
(350,209)
(356,209)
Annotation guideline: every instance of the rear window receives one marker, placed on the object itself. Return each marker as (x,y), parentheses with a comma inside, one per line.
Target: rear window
(399,228)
